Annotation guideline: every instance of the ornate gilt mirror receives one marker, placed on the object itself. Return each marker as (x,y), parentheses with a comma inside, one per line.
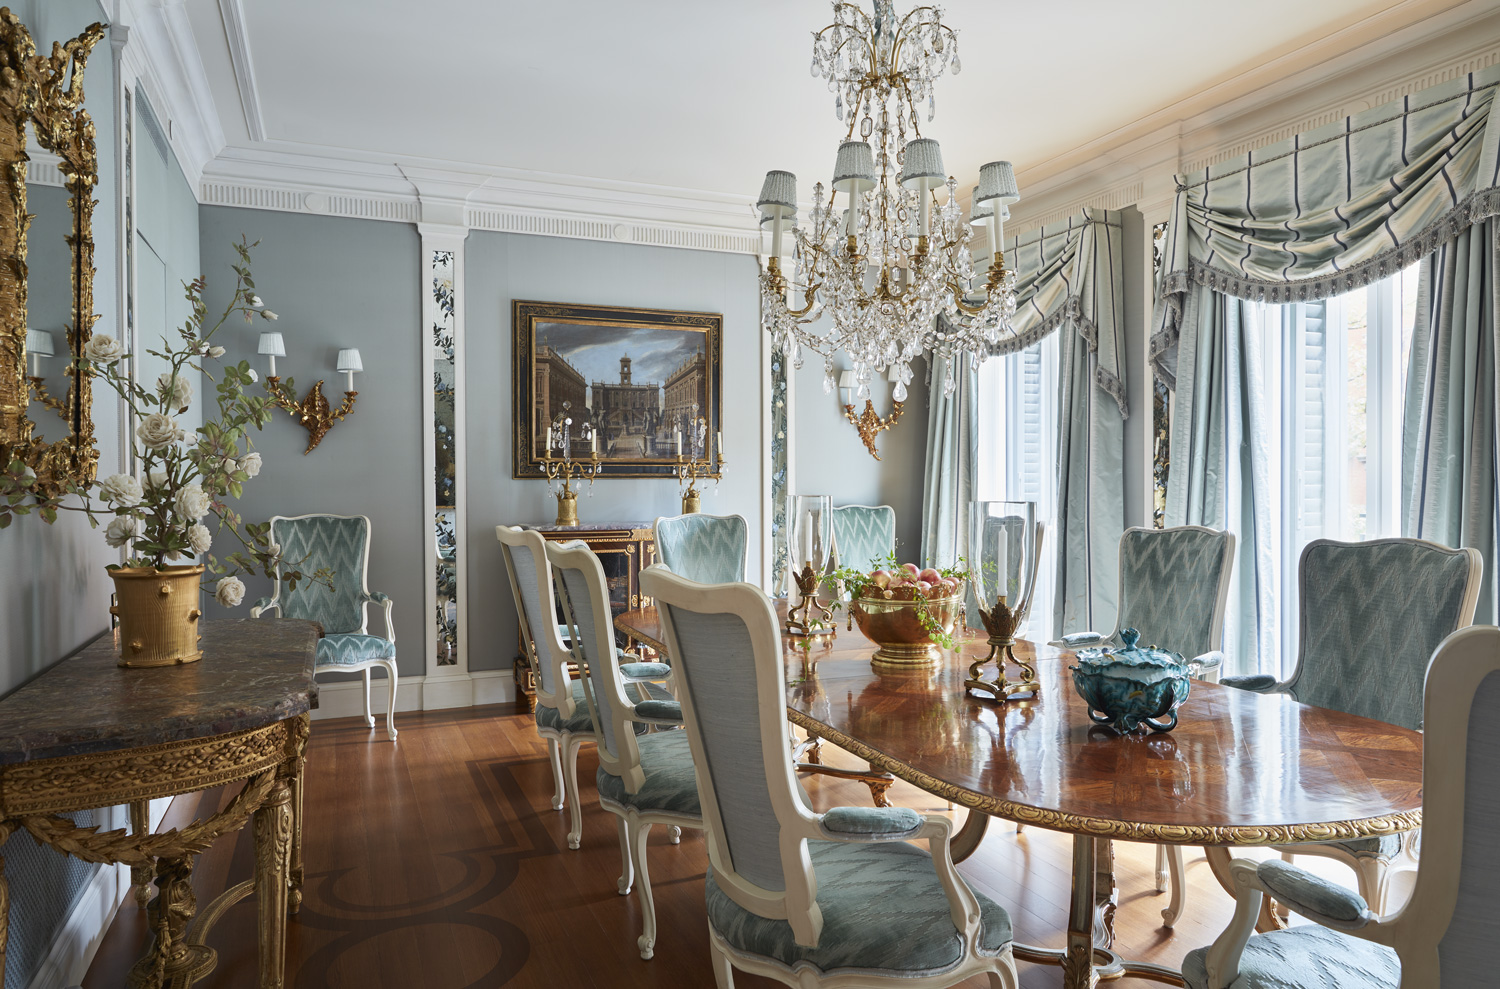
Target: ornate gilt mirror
(45,399)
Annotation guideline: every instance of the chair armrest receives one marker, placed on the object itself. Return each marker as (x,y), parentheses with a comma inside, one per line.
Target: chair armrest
(633,672)
(1313,897)
(870,823)
(1078,640)
(384,600)
(1261,683)
(658,712)
(264,604)
(1290,885)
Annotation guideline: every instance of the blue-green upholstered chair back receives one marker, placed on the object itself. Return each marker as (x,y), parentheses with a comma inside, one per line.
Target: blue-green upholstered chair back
(1169,586)
(707,548)
(338,543)
(588,616)
(529,572)
(865,535)
(1372,613)
(716,663)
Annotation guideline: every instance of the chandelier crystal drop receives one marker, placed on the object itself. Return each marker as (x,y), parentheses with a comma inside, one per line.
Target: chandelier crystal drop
(882,262)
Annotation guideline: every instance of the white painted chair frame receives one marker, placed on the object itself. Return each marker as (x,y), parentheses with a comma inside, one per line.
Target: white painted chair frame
(634,825)
(389,665)
(797,825)
(1458,667)
(562,746)
(1373,874)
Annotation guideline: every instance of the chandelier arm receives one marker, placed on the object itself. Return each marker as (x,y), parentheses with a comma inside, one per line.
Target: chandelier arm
(811,300)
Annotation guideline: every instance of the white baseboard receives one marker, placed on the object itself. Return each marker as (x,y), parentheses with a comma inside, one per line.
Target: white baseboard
(445,690)
(84,928)
(494,686)
(346,699)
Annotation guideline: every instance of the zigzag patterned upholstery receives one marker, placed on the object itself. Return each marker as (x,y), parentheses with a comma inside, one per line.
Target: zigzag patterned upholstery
(1169,586)
(1305,958)
(339,544)
(864,535)
(707,548)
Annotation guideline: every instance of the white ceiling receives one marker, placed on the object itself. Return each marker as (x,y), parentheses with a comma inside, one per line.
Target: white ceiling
(707,95)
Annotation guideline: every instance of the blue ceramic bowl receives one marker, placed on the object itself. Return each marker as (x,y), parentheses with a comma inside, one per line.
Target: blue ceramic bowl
(1130,687)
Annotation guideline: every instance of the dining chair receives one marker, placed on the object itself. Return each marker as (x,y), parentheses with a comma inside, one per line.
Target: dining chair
(1444,935)
(834,899)
(864,536)
(707,548)
(1372,613)
(339,544)
(1174,586)
(643,779)
(562,717)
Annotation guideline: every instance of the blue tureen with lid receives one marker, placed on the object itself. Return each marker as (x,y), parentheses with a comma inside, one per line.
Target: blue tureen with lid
(1132,686)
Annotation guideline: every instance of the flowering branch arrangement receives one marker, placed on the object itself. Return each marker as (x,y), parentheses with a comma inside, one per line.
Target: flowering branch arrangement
(163,513)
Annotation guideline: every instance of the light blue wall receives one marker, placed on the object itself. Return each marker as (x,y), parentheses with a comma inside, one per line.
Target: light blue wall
(337,283)
(54,592)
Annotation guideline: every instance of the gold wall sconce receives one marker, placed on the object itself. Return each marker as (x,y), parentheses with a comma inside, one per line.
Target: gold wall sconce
(38,346)
(565,468)
(868,423)
(698,466)
(313,411)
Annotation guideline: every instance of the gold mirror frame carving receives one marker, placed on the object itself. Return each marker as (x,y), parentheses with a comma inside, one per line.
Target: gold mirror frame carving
(47,92)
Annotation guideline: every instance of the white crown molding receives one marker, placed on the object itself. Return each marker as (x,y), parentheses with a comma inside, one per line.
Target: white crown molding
(163,53)
(232,12)
(1409,46)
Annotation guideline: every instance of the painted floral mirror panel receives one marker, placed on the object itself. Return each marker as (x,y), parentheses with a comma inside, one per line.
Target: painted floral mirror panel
(445,467)
(41,100)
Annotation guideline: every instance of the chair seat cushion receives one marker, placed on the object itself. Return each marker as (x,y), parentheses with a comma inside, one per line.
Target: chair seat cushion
(671,784)
(884,910)
(580,723)
(1304,958)
(644,671)
(349,648)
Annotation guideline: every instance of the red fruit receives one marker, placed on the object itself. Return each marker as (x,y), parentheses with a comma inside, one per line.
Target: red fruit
(924,587)
(880,578)
(911,568)
(930,575)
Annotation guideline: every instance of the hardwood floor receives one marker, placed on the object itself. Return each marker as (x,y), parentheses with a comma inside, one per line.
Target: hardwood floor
(438,862)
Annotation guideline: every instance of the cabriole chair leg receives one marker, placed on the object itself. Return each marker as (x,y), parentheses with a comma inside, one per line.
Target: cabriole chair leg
(570,780)
(647,941)
(627,870)
(723,970)
(390,704)
(1178,882)
(369,718)
(554,759)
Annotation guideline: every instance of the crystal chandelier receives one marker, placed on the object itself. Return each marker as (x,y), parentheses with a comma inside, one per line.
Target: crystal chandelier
(889,264)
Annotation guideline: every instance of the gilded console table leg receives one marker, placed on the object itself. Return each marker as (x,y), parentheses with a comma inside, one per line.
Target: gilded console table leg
(140,875)
(273,847)
(171,960)
(300,734)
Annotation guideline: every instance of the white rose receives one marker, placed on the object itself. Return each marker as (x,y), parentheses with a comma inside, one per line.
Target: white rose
(229,465)
(269,314)
(122,489)
(173,555)
(230,592)
(199,538)
(255,301)
(158,430)
(253,375)
(122,530)
(250,464)
(216,352)
(178,390)
(192,502)
(273,550)
(103,349)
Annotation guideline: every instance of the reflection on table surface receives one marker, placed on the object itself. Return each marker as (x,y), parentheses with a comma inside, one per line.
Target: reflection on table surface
(1240,768)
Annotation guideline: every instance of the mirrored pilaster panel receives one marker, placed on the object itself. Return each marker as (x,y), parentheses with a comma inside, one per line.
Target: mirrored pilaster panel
(445,467)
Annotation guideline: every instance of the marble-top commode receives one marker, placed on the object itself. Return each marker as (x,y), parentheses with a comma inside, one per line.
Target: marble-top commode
(254,672)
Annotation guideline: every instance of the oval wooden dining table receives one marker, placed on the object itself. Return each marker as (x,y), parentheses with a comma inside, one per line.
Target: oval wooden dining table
(1240,769)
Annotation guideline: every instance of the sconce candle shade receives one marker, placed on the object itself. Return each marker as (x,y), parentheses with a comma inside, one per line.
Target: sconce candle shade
(39,343)
(349,363)
(997,181)
(854,172)
(979,211)
(778,196)
(271,345)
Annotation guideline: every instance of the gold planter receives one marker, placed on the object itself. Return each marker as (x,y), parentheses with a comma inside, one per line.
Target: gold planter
(158,612)
(894,626)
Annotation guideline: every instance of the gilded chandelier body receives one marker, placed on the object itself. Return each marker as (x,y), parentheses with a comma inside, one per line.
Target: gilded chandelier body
(883,264)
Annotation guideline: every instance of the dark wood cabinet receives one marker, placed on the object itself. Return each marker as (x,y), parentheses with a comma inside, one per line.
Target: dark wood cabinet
(624,550)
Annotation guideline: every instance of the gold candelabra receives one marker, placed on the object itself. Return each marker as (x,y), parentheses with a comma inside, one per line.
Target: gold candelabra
(565,468)
(809,616)
(1001,622)
(697,466)
(314,412)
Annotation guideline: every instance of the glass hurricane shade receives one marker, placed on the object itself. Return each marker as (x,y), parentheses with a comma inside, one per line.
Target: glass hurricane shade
(1002,549)
(271,345)
(854,173)
(812,530)
(997,181)
(923,160)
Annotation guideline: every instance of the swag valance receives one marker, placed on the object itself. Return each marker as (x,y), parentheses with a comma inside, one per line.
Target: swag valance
(1333,209)
(1072,272)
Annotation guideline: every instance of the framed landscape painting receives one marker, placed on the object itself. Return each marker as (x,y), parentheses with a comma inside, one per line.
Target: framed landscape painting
(633,375)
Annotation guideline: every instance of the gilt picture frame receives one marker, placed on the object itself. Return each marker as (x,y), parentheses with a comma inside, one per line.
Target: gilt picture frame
(632,375)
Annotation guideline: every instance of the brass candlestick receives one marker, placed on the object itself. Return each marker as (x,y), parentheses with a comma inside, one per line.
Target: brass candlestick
(697,466)
(314,412)
(815,617)
(565,468)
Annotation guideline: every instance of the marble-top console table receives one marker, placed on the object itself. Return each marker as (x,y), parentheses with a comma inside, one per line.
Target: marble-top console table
(87,733)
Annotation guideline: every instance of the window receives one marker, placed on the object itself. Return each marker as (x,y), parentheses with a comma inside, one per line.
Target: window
(1018,452)
(1335,385)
